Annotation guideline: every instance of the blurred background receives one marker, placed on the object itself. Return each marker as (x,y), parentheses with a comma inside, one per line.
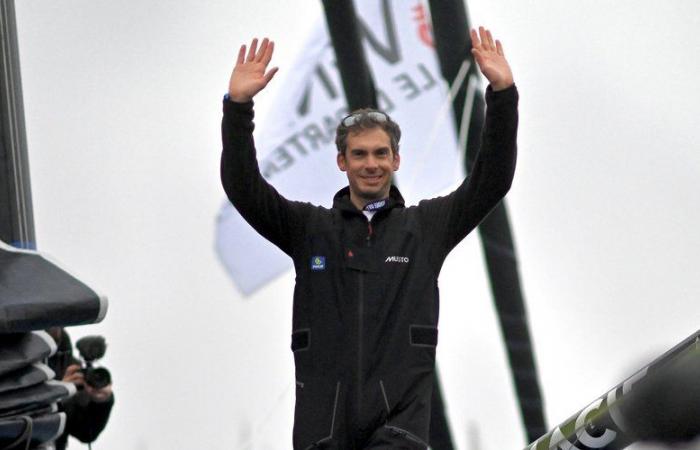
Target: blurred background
(122,105)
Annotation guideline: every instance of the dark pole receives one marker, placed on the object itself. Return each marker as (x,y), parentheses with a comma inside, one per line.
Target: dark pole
(360,92)
(16,218)
(451,32)
(358,83)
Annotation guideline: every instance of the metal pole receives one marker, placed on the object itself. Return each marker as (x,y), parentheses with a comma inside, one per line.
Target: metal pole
(16,217)
(451,32)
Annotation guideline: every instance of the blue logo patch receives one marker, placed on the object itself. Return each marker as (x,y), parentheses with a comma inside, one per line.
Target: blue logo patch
(318,263)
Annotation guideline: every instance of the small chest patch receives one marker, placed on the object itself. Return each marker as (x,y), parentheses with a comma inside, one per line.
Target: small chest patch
(397,259)
(318,263)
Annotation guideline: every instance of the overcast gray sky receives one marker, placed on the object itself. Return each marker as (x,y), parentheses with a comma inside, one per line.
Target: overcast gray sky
(122,104)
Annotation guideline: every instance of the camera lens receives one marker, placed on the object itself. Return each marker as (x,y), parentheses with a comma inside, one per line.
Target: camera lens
(98,377)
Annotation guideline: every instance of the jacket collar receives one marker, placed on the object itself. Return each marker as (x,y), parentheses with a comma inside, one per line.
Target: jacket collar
(341,200)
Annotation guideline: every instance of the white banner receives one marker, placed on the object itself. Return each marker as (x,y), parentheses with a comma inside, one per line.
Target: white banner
(295,144)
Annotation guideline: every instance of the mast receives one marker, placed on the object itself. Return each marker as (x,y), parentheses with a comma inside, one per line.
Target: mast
(16,217)
(453,44)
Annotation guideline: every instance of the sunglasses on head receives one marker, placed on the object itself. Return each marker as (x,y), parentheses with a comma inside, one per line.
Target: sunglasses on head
(354,118)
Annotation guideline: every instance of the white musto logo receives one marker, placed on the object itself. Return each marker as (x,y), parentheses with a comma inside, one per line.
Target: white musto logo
(397,259)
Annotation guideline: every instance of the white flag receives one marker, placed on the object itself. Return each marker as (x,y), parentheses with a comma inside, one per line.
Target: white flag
(295,144)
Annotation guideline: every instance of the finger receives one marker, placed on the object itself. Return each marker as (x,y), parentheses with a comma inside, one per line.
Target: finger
(253,49)
(104,392)
(499,48)
(99,395)
(478,56)
(72,369)
(261,51)
(484,38)
(241,55)
(270,74)
(491,44)
(268,53)
(475,38)
(76,378)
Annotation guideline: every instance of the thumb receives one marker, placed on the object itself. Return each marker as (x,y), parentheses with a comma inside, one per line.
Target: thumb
(268,76)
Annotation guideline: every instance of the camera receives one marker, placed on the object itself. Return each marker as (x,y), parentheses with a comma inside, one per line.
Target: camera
(92,348)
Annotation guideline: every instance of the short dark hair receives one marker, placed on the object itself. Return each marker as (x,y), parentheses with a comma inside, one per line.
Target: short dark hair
(365,119)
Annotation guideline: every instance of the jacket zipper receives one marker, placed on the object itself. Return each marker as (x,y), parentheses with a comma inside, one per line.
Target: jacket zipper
(360,312)
(360,328)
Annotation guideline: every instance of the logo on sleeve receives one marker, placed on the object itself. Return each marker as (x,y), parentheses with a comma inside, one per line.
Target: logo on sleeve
(318,263)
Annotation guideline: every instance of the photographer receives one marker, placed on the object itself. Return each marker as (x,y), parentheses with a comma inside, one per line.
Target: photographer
(87,411)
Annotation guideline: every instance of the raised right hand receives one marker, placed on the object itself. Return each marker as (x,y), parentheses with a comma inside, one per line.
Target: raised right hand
(250,75)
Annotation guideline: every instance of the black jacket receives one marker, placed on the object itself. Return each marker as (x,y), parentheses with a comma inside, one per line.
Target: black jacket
(365,311)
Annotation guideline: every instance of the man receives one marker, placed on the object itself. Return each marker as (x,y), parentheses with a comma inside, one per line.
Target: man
(365,309)
(88,411)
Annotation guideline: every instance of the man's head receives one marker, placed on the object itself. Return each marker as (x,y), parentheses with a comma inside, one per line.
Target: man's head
(365,119)
(368,151)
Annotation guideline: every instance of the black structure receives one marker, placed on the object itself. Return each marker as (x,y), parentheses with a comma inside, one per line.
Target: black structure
(360,92)
(660,403)
(358,83)
(453,44)
(16,217)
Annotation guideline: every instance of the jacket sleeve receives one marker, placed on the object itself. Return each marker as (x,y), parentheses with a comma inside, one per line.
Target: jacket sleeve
(449,219)
(86,418)
(274,217)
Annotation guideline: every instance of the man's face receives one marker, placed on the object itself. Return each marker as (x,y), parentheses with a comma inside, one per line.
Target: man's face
(370,164)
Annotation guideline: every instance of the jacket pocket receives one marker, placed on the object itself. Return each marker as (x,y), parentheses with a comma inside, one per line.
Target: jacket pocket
(396,431)
(423,335)
(301,339)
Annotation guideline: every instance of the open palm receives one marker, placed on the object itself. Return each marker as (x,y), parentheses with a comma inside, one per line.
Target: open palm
(491,59)
(250,74)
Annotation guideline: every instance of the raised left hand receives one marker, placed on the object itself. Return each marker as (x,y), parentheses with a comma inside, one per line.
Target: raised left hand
(491,59)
